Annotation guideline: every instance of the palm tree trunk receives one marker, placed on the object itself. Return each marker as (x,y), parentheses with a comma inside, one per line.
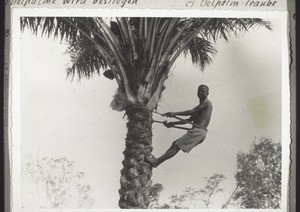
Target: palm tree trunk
(136,173)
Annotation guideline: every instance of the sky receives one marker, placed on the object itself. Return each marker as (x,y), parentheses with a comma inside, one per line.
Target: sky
(72,119)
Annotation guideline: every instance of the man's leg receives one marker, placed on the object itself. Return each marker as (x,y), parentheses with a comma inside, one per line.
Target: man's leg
(171,152)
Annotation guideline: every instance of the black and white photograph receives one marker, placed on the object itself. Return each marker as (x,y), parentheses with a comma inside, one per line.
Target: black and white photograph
(137,111)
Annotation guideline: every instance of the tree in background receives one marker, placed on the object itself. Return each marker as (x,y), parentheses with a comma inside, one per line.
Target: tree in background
(211,188)
(192,196)
(138,54)
(205,194)
(58,184)
(259,175)
(258,179)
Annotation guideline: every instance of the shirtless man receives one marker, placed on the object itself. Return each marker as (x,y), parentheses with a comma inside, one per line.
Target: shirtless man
(199,118)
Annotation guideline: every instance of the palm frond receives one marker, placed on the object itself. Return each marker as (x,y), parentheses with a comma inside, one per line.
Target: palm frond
(128,38)
(115,49)
(138,52)
(224,27)
(185,42)
(85,58)
(56,26)
(201,51)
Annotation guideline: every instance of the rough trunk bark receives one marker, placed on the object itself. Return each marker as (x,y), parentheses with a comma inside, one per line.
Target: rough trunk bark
(136,173)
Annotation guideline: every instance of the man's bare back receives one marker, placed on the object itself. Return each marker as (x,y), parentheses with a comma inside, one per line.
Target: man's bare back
(201,118)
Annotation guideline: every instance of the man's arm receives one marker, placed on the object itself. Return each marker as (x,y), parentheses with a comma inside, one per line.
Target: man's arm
(186,112)
(173,123)
(177,122)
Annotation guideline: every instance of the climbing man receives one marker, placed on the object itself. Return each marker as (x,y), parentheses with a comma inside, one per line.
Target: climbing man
(199,118)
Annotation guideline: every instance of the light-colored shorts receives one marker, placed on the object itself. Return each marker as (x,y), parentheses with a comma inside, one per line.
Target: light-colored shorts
(191,139)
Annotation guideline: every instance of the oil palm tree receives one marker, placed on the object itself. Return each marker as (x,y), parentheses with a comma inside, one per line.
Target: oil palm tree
(138,54)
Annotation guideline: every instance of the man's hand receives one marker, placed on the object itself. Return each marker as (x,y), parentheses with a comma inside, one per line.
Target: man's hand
(168,124)
(169,114)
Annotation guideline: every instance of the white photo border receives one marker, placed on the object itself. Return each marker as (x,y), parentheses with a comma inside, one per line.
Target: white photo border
(14,93)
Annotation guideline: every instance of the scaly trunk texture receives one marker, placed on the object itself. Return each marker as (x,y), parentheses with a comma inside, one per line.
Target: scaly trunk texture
(136,173)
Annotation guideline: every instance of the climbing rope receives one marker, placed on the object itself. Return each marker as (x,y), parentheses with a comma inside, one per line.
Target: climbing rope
(176,117)
(164,122)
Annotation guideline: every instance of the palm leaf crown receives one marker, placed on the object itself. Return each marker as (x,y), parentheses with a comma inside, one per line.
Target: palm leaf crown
(137,52)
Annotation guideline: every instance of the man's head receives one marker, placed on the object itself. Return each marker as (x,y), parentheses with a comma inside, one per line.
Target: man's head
(203,91)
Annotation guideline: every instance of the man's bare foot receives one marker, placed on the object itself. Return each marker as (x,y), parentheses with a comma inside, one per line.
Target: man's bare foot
(152,160)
